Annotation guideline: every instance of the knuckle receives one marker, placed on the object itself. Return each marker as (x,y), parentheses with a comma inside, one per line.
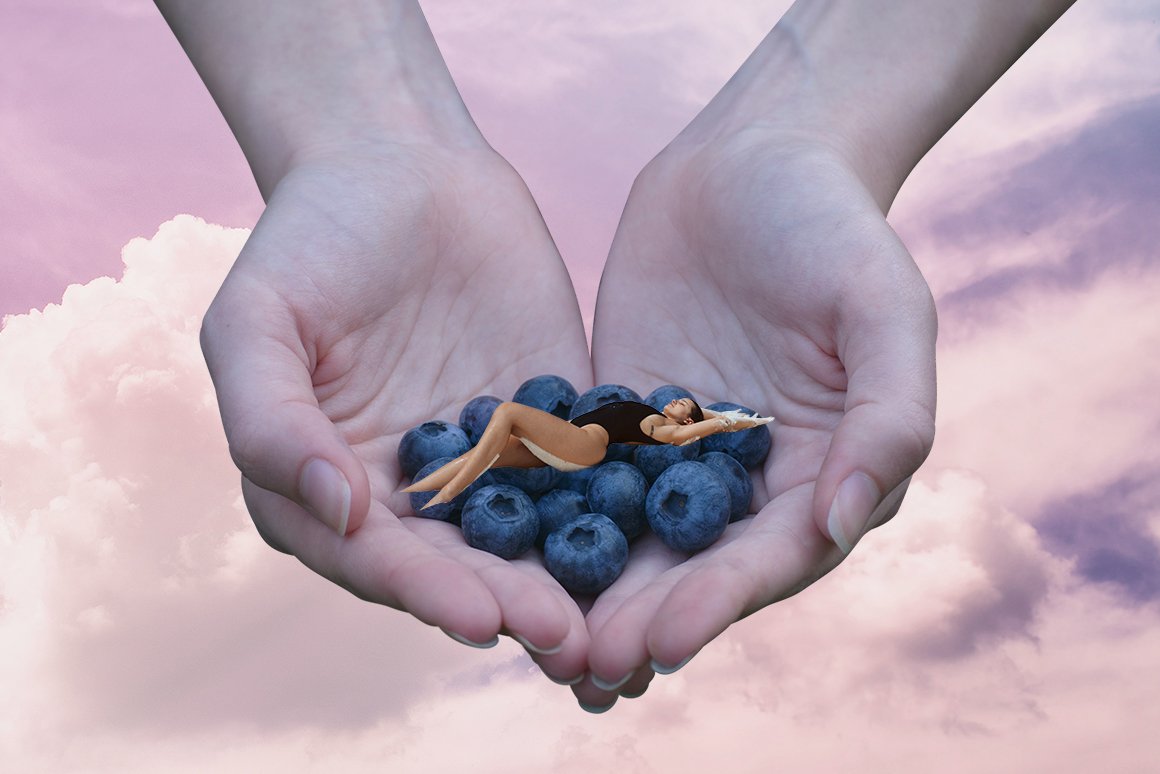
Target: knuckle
(244,439)
(916,438)
(210,331)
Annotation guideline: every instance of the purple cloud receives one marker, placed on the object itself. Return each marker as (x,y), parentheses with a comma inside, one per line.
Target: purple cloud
(1106,532)
(1107,174)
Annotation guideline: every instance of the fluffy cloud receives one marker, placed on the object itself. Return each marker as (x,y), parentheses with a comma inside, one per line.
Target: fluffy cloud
(136,594)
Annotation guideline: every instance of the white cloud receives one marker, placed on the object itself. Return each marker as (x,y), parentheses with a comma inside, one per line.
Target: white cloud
(136,594)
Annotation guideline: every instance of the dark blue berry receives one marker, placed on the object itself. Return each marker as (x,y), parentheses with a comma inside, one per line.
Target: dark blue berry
(601,394)
(688,506)
(556,509)
(666,394)
(476,414)
(532,481)
(587,554)
(576,480)
(736,479)
(749,447)
(501,520)
(547,392)
(430,441)
(653,460)
(617,490)
(449,511)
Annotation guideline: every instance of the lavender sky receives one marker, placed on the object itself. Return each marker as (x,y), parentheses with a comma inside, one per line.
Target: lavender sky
(1007,620)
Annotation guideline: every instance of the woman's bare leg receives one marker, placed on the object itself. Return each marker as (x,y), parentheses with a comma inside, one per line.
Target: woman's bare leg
(558,437)
(514,455)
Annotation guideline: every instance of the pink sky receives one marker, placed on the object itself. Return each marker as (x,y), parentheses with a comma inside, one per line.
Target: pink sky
(1007,620)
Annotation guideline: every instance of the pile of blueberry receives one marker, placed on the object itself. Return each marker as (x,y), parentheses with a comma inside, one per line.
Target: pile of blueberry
(584,520)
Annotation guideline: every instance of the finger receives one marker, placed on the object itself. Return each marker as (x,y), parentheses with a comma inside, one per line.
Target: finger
(278,436)
(636,687)
(619,618)
(535,611)
(385,563)
(779,555)
(755,563)
(887,427)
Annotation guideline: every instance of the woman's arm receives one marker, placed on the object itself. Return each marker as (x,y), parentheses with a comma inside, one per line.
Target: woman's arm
(679,435)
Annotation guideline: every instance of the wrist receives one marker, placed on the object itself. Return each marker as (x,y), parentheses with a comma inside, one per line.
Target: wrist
(877,84)
(297,81)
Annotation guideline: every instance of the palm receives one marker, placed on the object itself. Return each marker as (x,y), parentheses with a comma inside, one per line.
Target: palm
(401,284)
(737,272)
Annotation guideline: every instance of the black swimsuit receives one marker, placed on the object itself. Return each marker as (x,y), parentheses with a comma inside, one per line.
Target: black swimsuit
(621,420)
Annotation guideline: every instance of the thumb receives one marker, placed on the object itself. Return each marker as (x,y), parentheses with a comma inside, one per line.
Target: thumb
(278,436)
(887,428)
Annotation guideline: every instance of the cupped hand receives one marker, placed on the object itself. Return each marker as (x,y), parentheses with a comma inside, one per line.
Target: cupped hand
(378,290)
(758,269)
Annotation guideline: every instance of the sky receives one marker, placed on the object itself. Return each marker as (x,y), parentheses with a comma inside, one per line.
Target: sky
(1007,620)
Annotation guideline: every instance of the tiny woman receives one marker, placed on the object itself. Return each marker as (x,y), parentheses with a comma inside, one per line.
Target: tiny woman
(520,436)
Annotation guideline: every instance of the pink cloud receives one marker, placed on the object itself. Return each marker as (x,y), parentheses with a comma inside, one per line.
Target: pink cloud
(136,592)
(107,131)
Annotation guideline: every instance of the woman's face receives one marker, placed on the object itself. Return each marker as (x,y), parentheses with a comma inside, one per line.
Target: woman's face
(680,409)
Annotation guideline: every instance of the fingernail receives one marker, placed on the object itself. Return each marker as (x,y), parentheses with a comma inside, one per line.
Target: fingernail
(602,685)
(560,681)
(538,651)
(856,499)
(471,643)
(634,695)
(597,710)
(327,493)
(661,669)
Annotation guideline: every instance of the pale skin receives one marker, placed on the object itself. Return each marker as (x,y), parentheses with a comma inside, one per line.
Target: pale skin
(500,445)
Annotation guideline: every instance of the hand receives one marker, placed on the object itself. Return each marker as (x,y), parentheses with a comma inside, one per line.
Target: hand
(379,290)
(805,305)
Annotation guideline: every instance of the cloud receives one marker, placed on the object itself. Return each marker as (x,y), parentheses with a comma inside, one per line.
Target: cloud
(1112,532)
(136,593)
(1071,203)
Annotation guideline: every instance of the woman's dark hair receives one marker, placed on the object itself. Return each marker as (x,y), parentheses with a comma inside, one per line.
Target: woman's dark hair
(696,414)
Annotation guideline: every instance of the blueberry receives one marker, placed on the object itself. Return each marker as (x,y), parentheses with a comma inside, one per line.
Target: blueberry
(532,481)
(445,511)
(688,506)
(430,441)
(619,452)
(665,394)
(653,460)
(736,479)
(550,393)
(501,520)
(617,490)
(576,480)
(476,414)
(556,509)
(601,394)
(587,554)
(749,447)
